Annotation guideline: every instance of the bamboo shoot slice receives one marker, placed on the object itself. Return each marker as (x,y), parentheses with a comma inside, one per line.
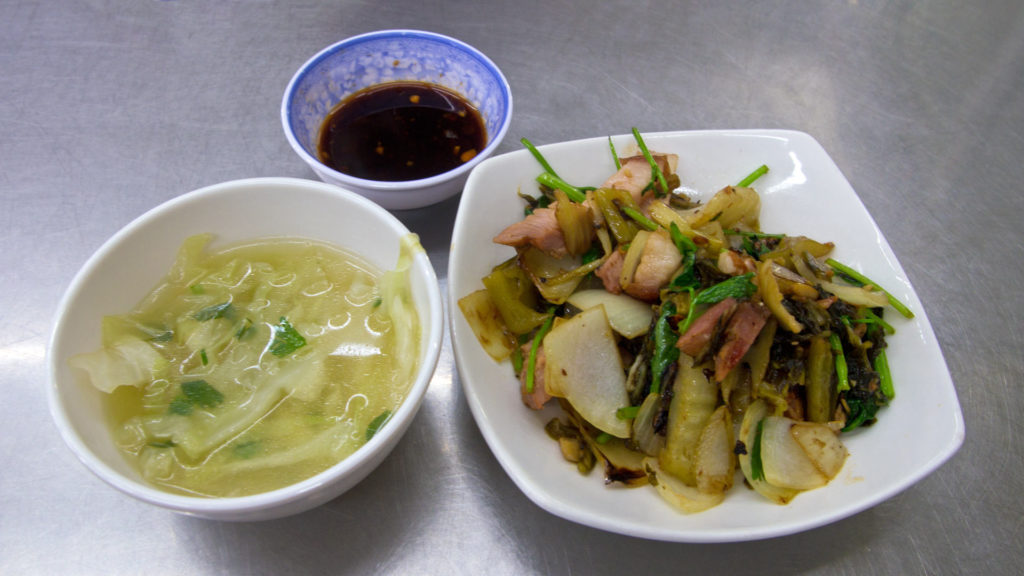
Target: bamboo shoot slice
(583,365)
(626,315)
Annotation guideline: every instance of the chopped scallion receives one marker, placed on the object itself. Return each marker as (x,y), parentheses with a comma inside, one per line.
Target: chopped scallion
(753,176)
(377,423)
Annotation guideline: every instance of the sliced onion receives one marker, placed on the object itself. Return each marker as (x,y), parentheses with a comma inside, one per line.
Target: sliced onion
(632,259)
(715,461)
(627,315)
(822,445)
(686,499)
(786,462)
(857,295)
(644,435)
(748,430)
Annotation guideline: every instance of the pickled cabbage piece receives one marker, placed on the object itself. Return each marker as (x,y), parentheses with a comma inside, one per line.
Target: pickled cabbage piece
(274,358)
(513,293)
(396,303)
(693,403)
(485,320)
(545,271)
(128,361)
(731,206)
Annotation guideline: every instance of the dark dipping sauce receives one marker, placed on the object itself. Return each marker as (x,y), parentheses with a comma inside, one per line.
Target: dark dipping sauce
(401,131)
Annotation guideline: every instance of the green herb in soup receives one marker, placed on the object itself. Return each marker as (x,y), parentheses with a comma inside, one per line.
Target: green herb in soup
(257,366)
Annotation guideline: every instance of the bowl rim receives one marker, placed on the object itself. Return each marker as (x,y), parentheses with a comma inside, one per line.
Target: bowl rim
(401,185)
(281,497)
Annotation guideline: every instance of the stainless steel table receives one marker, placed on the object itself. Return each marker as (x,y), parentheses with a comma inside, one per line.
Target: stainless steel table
(109,108)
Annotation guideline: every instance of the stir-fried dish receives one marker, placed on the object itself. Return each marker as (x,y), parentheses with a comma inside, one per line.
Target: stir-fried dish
(681,341)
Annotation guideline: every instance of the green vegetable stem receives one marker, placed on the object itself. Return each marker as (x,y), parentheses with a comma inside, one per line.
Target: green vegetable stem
(656,173)
(738,287)
(665,351)
(540,157)
(554,182)
(864,280)
(753,176)
(842,371)
(531,363)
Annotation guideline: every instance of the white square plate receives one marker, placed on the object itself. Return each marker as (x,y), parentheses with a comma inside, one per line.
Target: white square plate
(803,193)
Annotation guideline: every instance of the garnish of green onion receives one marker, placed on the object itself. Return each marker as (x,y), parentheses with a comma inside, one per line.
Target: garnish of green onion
(531,362)
(377,423)
(603,438)
(540,157)
(195,393)
(550,180)
(858,277)
(286,339)
(202,356)
(655,170)
(842,371)
(753,176)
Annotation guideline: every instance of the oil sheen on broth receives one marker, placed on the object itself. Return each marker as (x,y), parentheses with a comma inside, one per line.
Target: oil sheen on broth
(261,365)
(399,131)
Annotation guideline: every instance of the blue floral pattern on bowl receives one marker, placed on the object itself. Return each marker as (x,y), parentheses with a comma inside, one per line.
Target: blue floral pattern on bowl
(394,55)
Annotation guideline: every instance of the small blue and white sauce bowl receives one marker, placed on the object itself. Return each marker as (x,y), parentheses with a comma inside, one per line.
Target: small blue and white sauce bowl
(351,65)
